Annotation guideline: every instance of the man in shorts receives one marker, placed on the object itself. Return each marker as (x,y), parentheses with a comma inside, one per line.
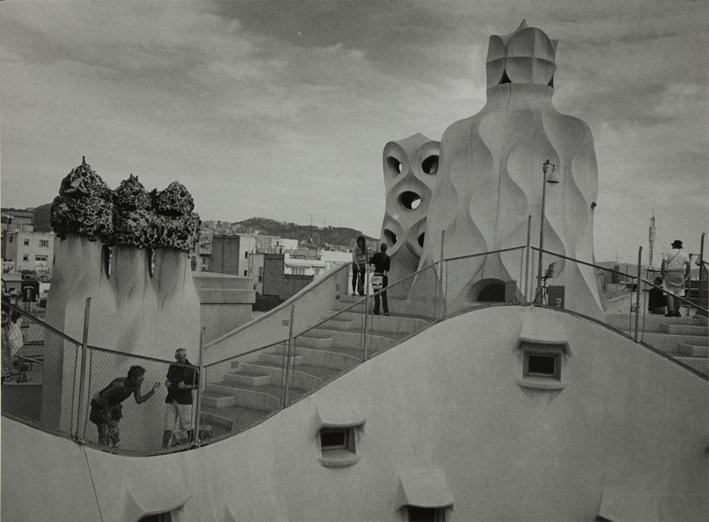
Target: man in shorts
(182,378)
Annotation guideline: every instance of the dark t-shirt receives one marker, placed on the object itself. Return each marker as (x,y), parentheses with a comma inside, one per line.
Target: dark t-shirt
(656,299)
(186,373)
(381,262)
(116,392)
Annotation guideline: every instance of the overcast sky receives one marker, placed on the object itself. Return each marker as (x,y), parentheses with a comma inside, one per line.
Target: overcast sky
(282,109)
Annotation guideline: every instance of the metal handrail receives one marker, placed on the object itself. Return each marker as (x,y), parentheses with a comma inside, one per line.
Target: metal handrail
(585,263)
(499,251)
(678,297)
(250,352)
(359,302)
(36,320)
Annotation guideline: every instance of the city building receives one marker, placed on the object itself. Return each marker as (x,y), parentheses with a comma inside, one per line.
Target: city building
(29,250)
(297,262)
(274,244)
(16,219)
(276,282)
(230,254)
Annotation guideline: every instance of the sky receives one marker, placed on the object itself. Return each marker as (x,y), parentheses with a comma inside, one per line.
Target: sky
(281,109)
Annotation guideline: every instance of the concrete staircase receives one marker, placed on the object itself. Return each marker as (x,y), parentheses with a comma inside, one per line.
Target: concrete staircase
(252,388)
(684,338)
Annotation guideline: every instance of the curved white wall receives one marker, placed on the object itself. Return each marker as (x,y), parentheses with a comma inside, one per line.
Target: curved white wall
(445,399)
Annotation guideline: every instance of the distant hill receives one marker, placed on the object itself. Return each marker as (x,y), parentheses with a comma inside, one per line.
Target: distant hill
(305,234)
(41,218)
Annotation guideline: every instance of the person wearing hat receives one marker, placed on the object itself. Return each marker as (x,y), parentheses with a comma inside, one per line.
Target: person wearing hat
(675,272)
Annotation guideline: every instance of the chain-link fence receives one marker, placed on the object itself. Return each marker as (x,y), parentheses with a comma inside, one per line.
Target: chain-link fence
(40,369)
(124,403)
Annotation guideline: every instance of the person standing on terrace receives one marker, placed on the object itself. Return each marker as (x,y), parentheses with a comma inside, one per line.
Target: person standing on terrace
(381,262)
(359,266)
(675,272)
(182,378)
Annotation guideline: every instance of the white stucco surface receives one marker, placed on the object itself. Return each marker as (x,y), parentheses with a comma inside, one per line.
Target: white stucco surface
(490,180)
(131,311)
(447,400)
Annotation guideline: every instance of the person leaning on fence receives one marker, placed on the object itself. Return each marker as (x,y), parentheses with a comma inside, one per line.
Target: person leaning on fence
(182,378)
(380,280)
(106,409)
(359,266)
(675,272)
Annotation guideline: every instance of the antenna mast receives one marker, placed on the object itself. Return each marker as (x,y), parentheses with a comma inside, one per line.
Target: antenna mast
(651,237)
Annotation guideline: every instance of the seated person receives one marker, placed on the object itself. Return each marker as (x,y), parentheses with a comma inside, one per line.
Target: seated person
(657,302)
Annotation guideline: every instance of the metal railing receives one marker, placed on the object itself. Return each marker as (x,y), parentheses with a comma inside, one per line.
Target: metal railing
(237,392)
(639,311)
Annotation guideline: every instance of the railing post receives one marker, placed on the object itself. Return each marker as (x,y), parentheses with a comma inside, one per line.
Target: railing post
(445,289)
(528,250)
(701,268)
(637,296)
(364,329)
(82,375)
(200,383)
(289,346)
(440,278)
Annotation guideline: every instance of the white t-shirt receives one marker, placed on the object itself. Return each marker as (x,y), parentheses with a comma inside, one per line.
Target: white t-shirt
(675,260)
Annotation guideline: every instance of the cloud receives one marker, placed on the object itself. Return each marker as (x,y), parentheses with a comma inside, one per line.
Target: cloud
(282,108)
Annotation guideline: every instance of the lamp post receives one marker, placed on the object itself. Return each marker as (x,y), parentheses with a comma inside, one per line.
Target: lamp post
(549,176)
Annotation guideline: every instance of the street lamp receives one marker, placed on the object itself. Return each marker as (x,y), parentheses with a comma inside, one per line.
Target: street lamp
(549,176)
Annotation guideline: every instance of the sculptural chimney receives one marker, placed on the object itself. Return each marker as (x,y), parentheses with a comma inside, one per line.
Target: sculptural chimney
(491,180)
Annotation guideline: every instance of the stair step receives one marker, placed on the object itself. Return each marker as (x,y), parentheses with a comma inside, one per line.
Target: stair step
(278,358)
(250,378)
(390,323)
(685,329)
(701,364)
(377,340)
(668,342)
(648,322)
(302,378)
(343,323)
(259,398)
(214,400)
(693,350)
(701,319)
(332,358)
(232,419)
(313,339)
(322,373)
